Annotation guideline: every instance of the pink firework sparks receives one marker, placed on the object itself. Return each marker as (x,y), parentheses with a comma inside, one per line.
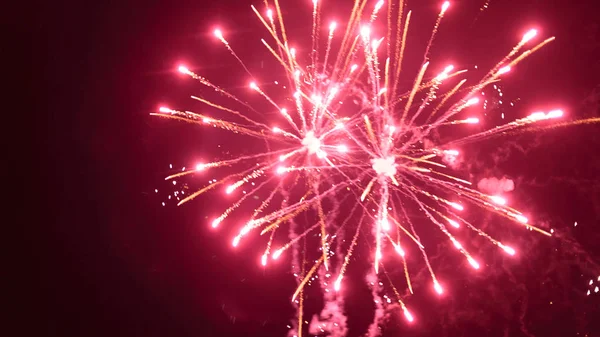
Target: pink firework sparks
(342,133)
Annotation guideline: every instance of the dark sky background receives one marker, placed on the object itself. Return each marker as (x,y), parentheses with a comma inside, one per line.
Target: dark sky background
(110,261)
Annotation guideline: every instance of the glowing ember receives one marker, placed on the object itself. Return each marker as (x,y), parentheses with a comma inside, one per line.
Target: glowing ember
(504,70)
(529,35)
(473,263)
(400,251)
(337,285)
(438,288)
(498,200)
(456,206)
(454,223)
(521,218)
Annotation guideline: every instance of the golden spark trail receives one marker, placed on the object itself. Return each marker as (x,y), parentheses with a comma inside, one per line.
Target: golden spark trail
(413,91)
(400,51)
(338,281)
(307,277)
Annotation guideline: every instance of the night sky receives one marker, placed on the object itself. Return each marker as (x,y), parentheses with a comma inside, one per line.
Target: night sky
(109,260)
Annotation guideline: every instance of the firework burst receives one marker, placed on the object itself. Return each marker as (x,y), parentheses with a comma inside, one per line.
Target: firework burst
(352,152)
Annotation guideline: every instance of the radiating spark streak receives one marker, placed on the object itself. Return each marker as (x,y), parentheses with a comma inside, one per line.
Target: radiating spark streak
(386,84)
(207,83)
(436,81)
(381,217)
(376,9)
(353,22)
(451,177)
(237,113)
(492,76)
(399,54)
(191,117)
(592,120)
(281,220)
(265,256)
(301,304)
(367,189)
(314,38)
(370,130)
(293,210)
(417,239)
(470,120)
(407,275)
(289,119)
(353,49)
(528,128)
(225,163)
(414,91)
(423,159)
(332,27)
(307,277)
(397,246)
(219,36)
(284,157)
(228,211)
(407,313)
(418,169)
(280,48)
(435,29)
(279,251)
(201,191)
(414,238)
(255,174)
(338,281)
(256,88)
(280,45)
(324,245)
(447,97)
(532,118)
(285,133)
(513,52)
(433,86)
(506,211)
(279,58)
(425,209)
(528,53)
(402,254)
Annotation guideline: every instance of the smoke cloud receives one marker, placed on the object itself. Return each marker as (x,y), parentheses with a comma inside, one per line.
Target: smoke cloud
(494,186)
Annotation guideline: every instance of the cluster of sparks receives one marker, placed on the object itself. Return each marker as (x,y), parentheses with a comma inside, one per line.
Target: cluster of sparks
(348,136)
(593,287)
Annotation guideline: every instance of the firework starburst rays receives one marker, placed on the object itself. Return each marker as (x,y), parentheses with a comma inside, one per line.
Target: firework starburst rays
(345,136)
